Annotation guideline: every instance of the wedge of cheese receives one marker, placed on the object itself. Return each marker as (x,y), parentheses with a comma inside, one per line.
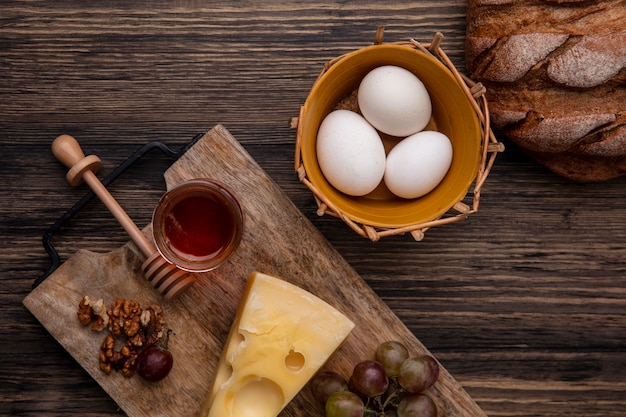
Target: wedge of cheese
(281,336)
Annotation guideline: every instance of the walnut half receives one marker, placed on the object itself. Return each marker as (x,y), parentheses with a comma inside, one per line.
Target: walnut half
(123,360)
(153,322)
(93,312)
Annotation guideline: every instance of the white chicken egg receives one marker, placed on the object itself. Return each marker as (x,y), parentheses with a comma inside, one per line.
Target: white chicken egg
(350,153)
(417,164)
(394,101)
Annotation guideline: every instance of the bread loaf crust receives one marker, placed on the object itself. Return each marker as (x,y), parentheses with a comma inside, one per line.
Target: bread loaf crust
(555,73)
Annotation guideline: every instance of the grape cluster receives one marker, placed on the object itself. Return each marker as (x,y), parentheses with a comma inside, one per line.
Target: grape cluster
(391,385)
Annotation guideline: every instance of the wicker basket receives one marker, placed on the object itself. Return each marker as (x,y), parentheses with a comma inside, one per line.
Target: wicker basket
(488,148)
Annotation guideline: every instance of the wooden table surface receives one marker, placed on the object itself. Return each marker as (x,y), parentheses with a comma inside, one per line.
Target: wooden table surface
(523,303)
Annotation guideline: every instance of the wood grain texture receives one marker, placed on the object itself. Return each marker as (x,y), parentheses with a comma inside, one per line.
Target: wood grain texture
(278,241)
(523,303)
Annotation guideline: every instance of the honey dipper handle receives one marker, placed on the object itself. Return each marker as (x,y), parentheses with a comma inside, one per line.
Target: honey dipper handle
(68,151)
(81,168)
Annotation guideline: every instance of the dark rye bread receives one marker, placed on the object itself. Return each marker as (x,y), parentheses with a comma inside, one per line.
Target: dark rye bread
(555,73)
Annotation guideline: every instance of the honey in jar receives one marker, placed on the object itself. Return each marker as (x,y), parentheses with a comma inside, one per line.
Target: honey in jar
(197,225)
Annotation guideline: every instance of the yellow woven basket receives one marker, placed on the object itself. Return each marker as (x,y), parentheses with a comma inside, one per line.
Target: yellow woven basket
(460,111)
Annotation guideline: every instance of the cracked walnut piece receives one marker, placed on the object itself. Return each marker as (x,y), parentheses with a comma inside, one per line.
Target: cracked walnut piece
(132,317)
(94,313)
(153,322)
(123,360)
(125,317)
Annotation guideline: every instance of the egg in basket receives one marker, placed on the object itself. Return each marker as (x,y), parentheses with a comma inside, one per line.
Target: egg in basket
(428,162)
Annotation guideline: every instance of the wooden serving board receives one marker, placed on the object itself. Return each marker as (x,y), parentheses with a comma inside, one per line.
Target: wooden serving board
(277,240)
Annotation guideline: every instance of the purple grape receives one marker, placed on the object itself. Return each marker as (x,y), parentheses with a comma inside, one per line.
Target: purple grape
(326,383)
(344,404)
(369,378)
(417,373)
(391,354)
(418,405)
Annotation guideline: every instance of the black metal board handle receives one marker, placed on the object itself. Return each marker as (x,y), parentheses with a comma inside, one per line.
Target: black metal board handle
(55,260)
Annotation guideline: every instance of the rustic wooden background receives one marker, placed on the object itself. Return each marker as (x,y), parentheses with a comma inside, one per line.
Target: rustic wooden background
(523,303)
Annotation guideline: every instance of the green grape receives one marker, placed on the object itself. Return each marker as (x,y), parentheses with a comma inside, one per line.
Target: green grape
(417,373)
(418,405)
(369,378)
(391,354)
(326,383)
(344,404)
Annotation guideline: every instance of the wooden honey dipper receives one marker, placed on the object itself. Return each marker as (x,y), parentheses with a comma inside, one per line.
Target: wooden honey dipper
(169,280)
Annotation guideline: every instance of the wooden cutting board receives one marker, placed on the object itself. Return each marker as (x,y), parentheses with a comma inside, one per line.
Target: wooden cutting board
(278,240)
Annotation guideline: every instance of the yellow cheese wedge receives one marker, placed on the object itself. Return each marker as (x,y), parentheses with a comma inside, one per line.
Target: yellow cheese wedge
(281,336)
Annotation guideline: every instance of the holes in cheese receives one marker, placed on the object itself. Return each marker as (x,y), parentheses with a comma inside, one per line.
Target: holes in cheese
(257,397)
(294,361)
(280,337)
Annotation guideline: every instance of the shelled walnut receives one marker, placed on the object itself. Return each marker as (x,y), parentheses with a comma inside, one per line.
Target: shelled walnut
(108,356)
(127,323)
(94,313)
(125,317)
(153,322)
